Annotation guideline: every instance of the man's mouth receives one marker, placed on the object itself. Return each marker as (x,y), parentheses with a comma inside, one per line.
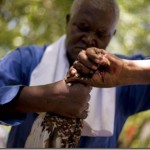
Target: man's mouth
(80,48)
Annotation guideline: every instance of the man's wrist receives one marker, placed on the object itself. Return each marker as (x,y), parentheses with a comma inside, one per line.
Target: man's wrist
(136,72)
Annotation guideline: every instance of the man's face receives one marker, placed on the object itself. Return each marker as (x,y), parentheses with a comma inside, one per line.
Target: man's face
(88,28)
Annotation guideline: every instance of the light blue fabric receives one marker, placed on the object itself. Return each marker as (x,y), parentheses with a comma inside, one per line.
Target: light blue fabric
(15,70)
(129,99)
(7,93)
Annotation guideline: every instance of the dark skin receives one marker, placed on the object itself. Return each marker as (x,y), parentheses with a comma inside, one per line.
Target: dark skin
(88,30)
(108,69)
(57,97)
(85,29)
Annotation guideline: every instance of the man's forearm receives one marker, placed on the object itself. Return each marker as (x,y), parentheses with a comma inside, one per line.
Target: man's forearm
(28,99)
(136,72)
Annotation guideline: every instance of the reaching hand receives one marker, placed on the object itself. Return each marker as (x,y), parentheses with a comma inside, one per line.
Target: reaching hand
(96,67)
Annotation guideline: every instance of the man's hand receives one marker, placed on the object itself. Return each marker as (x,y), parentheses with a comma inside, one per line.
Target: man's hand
(59,98)
(68,100)
(96,67)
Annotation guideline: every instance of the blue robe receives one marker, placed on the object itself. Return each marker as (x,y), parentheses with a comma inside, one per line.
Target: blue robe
(15,72)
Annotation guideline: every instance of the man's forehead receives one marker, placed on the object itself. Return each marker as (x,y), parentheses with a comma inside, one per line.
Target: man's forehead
(91,10)
(107,7)
(94,15)
(99,6)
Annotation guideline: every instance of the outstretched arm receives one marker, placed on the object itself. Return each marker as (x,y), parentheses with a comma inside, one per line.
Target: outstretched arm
(99,68)
(60,98)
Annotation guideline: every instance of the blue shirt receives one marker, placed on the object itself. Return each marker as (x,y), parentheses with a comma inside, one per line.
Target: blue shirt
(15,72)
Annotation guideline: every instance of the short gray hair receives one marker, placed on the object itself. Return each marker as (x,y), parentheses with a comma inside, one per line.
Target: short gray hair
(99,4)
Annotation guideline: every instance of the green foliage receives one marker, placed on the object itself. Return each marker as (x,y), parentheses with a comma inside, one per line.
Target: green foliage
(25,22)
(136,132)
(134,28)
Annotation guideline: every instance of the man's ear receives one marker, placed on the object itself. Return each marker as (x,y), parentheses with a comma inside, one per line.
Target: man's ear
(67,18)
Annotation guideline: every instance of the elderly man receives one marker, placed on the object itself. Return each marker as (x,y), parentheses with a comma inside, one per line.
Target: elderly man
(37,85)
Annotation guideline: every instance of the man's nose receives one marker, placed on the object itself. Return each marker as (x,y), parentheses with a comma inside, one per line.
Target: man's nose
(89,40)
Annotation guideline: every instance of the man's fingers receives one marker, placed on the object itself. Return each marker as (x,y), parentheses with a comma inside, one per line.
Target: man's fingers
(82,68)
(95,54)
(82,58)
(71,73)
(84,114)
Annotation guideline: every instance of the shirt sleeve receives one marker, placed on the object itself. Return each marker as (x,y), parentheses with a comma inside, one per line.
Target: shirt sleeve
(15,72)
(139,95)
(10,80)
(134,98)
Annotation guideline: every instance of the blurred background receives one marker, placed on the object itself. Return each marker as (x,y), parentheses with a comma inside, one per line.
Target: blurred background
(24,22)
